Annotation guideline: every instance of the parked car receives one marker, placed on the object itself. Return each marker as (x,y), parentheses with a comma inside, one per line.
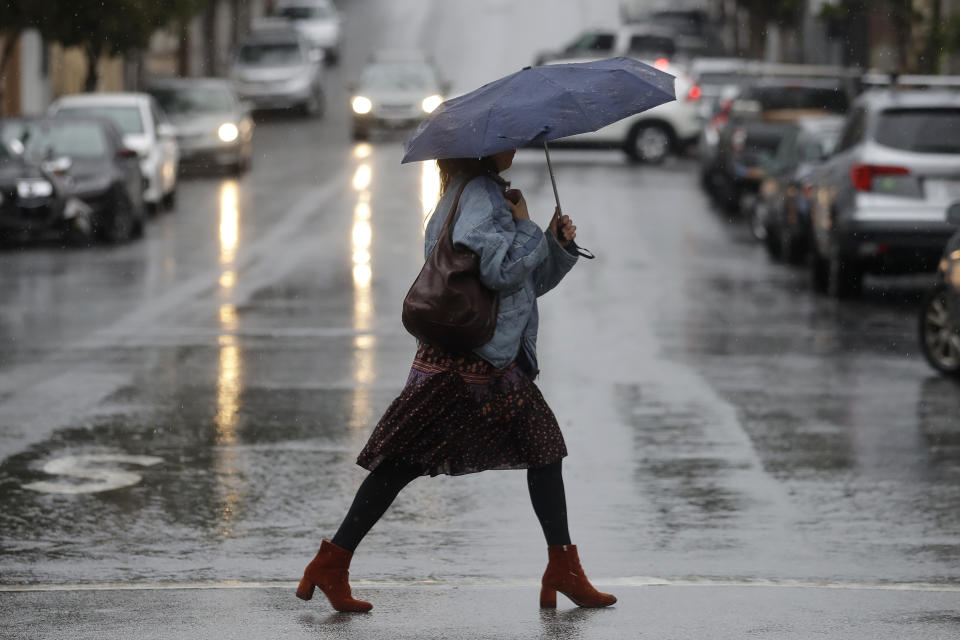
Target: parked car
(939,320)
(653,135)
(214,127)
(396,90)
(318,20)
(277,69)
(880,199)
(88,154)
(751,127)
(145,129)
(636,41)
(33,201)
(695,30)
(781,216)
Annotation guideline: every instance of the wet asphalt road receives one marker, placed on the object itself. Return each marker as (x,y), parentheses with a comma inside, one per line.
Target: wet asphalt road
(725,424)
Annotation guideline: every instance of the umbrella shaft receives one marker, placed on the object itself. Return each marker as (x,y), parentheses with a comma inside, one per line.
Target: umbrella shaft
(553,180)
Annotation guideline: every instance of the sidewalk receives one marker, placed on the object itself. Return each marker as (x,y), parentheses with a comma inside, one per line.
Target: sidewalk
(712,612)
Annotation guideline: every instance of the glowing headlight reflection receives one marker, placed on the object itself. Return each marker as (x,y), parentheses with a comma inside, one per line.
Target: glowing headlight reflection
(228,132)
(362,150)
(430,103)
(361,105)
(229,222)
(362,177)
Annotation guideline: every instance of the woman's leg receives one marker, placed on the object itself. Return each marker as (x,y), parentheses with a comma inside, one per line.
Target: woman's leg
(550,502)
(374,496)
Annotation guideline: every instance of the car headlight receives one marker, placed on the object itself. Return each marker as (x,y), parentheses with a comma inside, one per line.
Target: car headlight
(431,102)
(34,189)
(361,105)
(228,132)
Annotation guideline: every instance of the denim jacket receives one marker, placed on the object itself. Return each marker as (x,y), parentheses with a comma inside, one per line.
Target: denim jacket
(517,259)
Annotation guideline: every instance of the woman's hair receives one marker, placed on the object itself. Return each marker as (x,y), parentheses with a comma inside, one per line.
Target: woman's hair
(450,167)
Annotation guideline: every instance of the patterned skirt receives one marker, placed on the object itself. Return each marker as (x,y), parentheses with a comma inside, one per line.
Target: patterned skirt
(459,414)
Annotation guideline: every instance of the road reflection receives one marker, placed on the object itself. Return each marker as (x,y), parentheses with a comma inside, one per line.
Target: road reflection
(229,477)
(364,341)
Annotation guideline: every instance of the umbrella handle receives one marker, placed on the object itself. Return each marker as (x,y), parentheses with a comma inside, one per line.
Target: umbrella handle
(558,214)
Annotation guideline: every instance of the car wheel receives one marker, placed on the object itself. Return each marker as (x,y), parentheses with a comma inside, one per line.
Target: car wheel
(313,108)
(844,276)
(649,143)
(791,249)
(119,224)
(939,339)
(170,199)
(819,272)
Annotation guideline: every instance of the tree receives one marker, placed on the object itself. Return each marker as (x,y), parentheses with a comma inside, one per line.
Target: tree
(112,27)
(16,16)
(761,13)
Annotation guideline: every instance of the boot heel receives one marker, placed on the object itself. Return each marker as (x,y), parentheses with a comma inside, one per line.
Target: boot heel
(548,598)
(305,589)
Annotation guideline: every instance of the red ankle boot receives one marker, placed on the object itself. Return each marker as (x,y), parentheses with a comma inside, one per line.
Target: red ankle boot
(564,574)
(329,570)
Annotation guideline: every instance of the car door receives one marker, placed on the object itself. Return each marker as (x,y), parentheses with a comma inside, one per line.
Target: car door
(832,189)
(164,133)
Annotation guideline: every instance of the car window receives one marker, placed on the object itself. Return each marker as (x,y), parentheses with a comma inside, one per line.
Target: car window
(775,97)
(270,54)
(641,44)
(193,99)
(398,75)
(75,139)
(786,154)
(304,12)
(853,131)
(127,119)
(596,41)
(920,130)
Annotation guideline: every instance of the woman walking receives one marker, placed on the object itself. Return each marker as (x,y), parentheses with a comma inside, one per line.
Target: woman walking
(465,413)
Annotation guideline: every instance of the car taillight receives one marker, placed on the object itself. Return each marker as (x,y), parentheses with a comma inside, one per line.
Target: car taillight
(862,175)
(661,63)
(694,93)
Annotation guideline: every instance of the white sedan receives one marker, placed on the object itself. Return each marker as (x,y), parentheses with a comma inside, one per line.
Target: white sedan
(145,129)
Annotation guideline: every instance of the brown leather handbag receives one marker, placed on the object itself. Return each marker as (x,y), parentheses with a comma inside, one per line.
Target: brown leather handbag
(447,306)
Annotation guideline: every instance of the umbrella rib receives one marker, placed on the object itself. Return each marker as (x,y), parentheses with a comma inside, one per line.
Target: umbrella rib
(575,101)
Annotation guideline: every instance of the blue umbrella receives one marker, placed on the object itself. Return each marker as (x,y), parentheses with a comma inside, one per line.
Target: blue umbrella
(538,104)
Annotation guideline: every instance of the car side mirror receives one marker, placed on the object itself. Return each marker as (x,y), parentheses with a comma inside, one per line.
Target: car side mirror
(166,130)
(126,153)
(953,214)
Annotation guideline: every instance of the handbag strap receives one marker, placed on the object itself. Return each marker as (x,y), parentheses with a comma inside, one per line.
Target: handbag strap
(447,226)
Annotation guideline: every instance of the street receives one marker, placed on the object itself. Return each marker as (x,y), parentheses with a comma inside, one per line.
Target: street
(735,438)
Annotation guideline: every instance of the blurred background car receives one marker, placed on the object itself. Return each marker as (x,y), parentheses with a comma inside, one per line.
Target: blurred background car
(214,127)
(33,202)
(145,129)
(693,27)
(276,68)
(318,20)
(751,126)
(781,216)
(636,41)
(88,155)
(881,197)
(655,134)
(940,310)
(396,89)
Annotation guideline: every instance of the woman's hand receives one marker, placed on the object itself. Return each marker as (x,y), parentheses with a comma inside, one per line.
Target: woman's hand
(518,206)
(568,230)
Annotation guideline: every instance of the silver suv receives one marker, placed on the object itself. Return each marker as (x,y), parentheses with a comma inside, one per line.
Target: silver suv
(880,200)
(277,69)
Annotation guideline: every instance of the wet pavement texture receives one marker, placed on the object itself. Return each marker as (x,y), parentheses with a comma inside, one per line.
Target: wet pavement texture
(725,424)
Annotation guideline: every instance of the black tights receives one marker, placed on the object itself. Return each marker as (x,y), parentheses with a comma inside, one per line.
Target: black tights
(383,484)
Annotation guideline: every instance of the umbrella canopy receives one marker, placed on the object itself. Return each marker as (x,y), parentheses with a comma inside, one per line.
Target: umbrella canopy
(538,104)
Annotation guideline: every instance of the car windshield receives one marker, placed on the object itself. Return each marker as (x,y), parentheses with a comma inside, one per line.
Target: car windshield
(304,12)
(74,139)
(776,97)
(647,44)
(127,119)
(399,75)
(592,42)
(920,130)
(272,54)
(194,99)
